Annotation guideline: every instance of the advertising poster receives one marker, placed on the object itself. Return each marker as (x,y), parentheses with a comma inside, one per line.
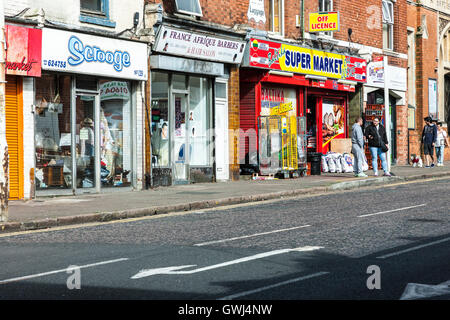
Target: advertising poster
(256,11)
(333,121)
(278,101)
(432,98)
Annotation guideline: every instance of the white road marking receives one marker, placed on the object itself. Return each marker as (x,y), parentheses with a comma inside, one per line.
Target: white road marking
(394,210)
(412,249)
(174,269)
(246,293)
(249,236)
(415,291)
(60,271)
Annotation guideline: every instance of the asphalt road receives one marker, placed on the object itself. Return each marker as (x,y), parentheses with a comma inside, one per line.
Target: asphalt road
(360,244)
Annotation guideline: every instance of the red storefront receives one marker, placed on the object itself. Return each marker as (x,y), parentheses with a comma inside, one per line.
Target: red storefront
(280,81)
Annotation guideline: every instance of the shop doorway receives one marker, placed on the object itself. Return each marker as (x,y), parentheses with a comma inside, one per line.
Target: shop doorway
(87,140)
(311,123)
(182,133)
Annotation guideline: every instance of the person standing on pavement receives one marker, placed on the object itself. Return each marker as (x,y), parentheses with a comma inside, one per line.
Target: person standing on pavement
(429,137)
(441,142)
(377,138)
(358,147)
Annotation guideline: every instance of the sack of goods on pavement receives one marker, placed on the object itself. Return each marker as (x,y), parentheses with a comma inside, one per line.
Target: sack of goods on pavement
(334,162)
(365,165)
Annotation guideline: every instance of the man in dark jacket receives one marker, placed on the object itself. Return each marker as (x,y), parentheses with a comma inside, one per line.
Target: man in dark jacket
(429,137)
(376,136)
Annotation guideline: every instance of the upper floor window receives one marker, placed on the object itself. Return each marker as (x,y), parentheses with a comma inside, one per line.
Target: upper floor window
(388,25)
(96,12)
(92,5)
(191,7)
(325,5)
(276,16)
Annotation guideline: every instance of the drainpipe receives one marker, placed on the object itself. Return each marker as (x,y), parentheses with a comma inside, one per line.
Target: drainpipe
(302,15)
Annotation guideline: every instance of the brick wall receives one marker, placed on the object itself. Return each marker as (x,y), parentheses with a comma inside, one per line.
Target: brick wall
(426,64)
(233,122)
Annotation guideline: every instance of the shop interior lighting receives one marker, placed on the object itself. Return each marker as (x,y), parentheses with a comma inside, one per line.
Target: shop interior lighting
(309,76)
(281,73)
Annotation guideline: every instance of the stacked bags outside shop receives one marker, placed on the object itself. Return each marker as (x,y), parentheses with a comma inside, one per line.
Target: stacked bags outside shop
(334,162)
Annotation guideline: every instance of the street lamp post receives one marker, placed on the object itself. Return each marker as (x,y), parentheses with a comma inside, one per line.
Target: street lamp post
(4,158)
(387,112)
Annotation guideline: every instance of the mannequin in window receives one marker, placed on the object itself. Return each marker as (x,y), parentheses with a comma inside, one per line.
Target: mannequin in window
(160,145)
(87,138)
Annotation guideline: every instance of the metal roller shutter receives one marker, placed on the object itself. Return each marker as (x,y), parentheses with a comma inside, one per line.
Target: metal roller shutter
(14,136)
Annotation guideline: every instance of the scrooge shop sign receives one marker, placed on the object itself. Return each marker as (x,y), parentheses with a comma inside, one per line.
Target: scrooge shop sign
(291,58)
(87,54)
(198,45)
(323,21)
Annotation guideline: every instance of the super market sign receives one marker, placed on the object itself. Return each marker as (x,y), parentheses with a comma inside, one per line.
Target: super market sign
(286,57)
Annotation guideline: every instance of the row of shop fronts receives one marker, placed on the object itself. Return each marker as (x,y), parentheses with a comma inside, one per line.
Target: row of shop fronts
(77,116)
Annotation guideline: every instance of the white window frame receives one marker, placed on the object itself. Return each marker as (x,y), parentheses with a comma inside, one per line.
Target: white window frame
(388,20)
(322,3)
(281,17)
(192,13)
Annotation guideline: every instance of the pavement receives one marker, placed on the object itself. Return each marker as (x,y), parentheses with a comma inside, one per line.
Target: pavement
(49,212)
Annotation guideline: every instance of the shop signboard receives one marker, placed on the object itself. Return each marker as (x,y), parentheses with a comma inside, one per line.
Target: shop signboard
(197,45)
(74,52)
(396,76)
(291,58)
(323,21)
(23,57)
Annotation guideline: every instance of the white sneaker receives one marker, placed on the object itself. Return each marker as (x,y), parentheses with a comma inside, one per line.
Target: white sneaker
(376,174)
(440,164)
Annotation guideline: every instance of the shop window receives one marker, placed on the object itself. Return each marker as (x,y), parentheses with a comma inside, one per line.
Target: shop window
(160,120)
(53,132)
(96,12)
(276,16)
(179,82)
(199,121)
(388,25)
(191,7)
(115,133)
(221,90)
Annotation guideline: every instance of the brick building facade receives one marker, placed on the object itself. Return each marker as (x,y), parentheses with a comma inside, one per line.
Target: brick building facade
(428,27)
(371,29)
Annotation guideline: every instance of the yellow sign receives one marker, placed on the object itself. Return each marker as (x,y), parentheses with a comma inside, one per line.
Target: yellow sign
(282,109)
(310,61)
(323,21)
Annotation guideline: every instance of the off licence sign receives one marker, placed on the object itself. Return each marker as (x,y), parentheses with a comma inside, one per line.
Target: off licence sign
(323,21)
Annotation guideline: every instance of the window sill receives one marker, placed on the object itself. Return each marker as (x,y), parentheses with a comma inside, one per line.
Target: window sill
(275,35)
(105,22)
(391,53)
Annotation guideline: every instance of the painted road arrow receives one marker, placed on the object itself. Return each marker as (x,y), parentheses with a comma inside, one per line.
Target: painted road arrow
(422,291)
(176,269)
